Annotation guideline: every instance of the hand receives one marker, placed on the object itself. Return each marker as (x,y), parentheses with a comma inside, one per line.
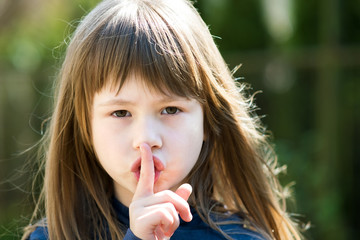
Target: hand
(156,216)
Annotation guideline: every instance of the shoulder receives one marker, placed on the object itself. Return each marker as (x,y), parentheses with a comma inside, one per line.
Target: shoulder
(236,226)
(231,225)
(40,233)
(239,231)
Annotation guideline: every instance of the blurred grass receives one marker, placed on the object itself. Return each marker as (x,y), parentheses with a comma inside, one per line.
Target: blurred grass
(310,83)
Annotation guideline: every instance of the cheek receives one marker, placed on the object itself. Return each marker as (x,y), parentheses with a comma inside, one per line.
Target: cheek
(106,144)
(194,147)
(190,145)
(107,134)
(100,140)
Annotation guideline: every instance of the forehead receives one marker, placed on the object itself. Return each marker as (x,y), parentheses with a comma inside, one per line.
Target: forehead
(135,83)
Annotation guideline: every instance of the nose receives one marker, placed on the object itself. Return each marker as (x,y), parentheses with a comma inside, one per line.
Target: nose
(147,130)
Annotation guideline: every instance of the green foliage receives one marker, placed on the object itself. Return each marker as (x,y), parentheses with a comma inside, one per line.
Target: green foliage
(310,98)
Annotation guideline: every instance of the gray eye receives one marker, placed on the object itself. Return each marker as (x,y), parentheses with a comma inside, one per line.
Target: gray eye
(170,110)
(121,113)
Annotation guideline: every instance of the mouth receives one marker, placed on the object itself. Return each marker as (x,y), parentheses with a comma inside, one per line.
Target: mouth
(158,168)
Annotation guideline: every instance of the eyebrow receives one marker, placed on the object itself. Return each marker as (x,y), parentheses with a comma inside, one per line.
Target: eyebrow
(115,101)
(119,101)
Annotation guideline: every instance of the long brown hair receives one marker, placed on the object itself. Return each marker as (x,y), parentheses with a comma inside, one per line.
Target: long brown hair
(170,46)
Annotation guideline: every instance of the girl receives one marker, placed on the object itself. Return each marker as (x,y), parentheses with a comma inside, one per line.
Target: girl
(152,138)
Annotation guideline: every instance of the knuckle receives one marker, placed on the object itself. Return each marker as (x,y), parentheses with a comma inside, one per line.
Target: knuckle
(169,206)
(167,195)
(166,218)
(133,205)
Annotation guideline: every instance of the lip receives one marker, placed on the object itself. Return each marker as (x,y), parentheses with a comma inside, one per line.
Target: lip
(158,168)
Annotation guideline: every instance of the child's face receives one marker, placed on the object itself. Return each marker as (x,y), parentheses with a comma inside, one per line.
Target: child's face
(172,126)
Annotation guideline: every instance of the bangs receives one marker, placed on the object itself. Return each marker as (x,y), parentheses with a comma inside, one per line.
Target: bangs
(138,40)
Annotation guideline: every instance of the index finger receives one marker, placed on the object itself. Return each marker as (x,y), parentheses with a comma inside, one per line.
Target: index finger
(145,186)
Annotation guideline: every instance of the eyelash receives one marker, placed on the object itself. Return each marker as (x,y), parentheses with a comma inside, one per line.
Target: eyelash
(125,113)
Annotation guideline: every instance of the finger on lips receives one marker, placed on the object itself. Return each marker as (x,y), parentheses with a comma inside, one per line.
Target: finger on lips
(160,210)
(145,185)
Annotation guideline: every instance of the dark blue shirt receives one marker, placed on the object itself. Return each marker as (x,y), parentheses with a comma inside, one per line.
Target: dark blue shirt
(196,229)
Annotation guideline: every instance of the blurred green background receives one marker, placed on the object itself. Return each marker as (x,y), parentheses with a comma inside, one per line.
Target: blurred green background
(303,55)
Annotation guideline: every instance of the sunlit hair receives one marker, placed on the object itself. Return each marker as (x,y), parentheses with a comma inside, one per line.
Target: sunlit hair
(169,46)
